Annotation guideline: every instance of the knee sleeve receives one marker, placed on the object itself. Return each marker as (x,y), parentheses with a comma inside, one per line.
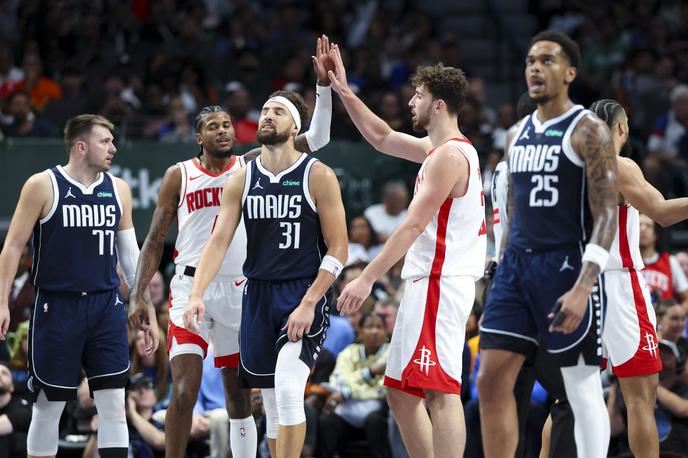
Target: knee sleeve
(271,416)
(591,420)
(291,375)
(112,420)
(44,429)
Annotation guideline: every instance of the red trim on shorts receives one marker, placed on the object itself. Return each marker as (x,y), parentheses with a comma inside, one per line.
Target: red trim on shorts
(198,165)
(185,337)
(624,249)
(495,216)
(228,361)
(646,359)
(390,382)
(424,371)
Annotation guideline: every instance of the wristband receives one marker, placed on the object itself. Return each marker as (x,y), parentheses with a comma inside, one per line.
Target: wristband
(596,254)
(332,265)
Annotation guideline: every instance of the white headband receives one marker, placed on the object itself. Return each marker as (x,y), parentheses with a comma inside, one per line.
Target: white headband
(290,106)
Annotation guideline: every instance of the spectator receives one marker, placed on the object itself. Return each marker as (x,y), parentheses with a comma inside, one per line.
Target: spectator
(672,406)
(671,126)
(73,102)
(24,122)
(244,117)
(179,127)
(356,407)
(671,322)
(10,75)
(662,272)
(156,287)
(391,112)
(15,416)
(363,243)
(20,361)
(388,309)
(39,87)
(154,366)
(385,217)
(23,294)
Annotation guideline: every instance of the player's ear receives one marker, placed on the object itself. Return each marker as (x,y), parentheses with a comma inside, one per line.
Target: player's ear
(571,73)
(199,138)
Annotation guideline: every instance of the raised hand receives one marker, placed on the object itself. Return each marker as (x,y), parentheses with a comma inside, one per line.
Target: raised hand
(338,76)
(322,62)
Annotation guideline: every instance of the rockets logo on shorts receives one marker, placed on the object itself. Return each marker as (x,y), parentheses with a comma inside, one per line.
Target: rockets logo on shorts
(425,361)
(651,346)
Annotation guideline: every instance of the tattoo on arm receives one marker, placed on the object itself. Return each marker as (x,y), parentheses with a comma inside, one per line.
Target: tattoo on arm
(592,140)
(151,252)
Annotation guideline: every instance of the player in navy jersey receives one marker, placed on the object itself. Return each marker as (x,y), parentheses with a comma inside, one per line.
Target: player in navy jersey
(181,184)
(561,223)
(80,217)
(296,246)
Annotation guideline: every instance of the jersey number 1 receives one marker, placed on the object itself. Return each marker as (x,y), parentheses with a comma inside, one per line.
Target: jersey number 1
(291,241)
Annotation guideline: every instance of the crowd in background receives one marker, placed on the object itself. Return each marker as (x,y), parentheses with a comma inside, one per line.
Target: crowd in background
(151,65)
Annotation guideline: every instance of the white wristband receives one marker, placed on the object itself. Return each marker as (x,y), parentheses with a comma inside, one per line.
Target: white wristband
(332,265)
(596,254)
(318,134)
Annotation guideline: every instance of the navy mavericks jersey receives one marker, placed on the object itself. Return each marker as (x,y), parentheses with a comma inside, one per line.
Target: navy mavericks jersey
(74,245)
(284,240)
(549,184)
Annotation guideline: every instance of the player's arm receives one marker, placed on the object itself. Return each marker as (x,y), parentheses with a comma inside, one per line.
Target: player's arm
(328,202)
(376,131)
(672,402)
(34,201)
(646,198)
(214,252)
(593,142)
(127,246)
(447,168)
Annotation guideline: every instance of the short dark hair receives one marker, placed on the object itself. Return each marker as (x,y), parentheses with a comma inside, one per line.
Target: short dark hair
(446,83)
(568,46)
(203,115)
(80,126)
(364,318)
(608,110)
(299,103)
(525,106)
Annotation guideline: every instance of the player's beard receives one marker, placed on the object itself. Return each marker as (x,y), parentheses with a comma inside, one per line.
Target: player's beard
(272,137)
(422,121)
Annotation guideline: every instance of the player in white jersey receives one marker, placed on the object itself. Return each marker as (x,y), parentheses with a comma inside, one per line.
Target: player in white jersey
(445,236)
(191,191)
(629,328)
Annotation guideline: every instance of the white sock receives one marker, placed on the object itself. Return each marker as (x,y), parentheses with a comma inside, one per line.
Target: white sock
(243,437)
(591,420)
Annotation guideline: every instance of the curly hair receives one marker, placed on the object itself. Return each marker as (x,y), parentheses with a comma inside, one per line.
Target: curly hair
(445,83)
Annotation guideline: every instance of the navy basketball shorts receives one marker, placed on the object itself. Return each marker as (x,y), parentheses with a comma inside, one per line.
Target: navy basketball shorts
(524,291)
(265,310)
(70,331)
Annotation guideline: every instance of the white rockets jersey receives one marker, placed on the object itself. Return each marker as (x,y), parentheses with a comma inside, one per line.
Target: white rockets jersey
(625,250)
(454,241)
(199,205)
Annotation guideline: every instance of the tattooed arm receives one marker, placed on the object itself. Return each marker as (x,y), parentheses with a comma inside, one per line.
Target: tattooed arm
(142,310)
(592,141)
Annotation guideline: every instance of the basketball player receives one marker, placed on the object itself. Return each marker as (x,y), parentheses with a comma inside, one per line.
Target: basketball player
(562,168)
(296,246)
(444,239)
(80,216)
(191,191)
(629,330)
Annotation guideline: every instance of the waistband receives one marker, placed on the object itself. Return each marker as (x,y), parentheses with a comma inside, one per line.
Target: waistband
(190,271)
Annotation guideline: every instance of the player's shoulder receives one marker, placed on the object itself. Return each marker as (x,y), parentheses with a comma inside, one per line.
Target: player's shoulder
(627,165)
(320,170)
(39,182)
(589,124)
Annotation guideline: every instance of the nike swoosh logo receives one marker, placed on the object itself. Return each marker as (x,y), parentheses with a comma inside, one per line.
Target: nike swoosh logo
(197,176)
(240,282)
(416,280)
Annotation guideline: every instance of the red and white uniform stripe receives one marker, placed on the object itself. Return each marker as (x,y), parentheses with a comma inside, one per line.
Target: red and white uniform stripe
(440,270)
(629,330)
